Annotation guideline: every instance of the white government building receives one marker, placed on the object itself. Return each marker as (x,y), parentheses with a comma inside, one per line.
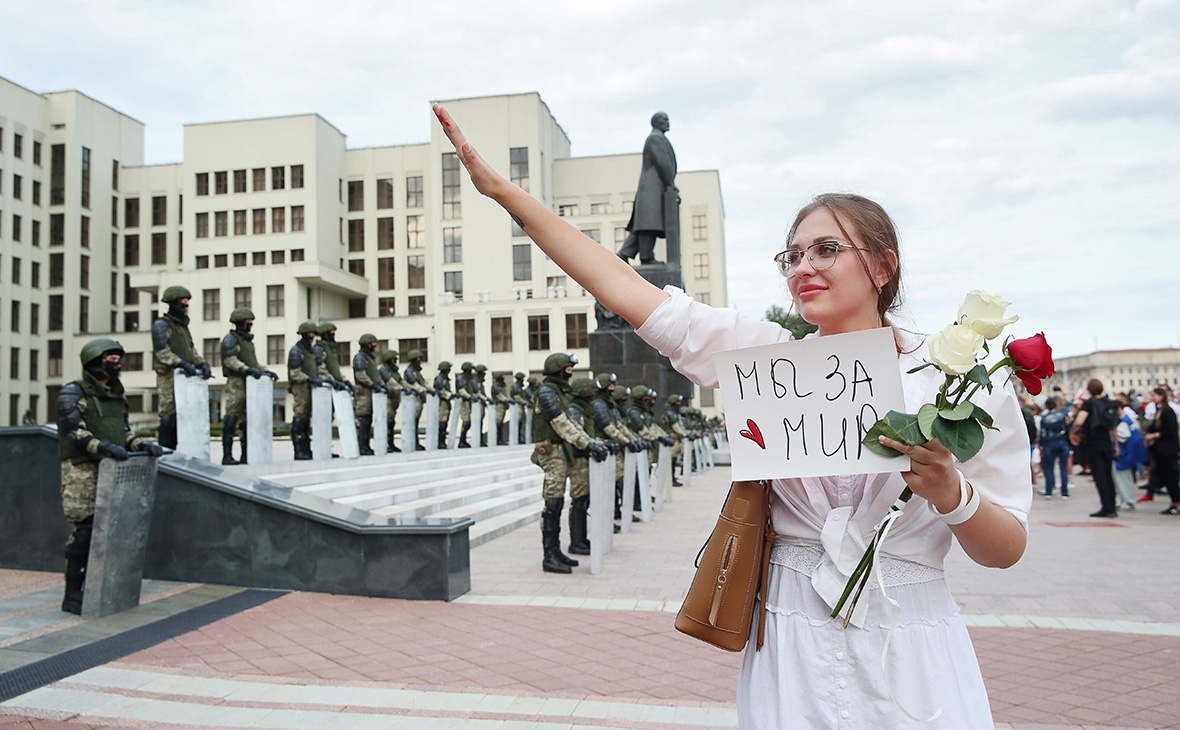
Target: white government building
(279,215)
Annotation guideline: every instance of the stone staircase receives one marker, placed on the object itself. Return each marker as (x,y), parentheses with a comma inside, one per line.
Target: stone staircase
(498,487)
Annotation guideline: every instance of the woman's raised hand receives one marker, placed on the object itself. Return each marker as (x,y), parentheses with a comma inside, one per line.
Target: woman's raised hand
(486,180)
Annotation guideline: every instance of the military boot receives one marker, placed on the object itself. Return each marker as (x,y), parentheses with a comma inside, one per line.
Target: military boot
(228,426)
(442,436)
(391,440)
(554,561)
(463,444)
(364,430)
(77,554)
(579,542)
(242,441)
(301,438)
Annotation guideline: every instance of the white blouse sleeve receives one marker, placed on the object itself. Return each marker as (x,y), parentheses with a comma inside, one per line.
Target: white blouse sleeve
(690,333)
(1000,470)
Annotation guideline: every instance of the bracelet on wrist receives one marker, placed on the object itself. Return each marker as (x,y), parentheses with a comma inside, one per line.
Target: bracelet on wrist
(967,505)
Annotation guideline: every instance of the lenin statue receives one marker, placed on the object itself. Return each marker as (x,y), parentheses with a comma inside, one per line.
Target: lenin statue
(656,213)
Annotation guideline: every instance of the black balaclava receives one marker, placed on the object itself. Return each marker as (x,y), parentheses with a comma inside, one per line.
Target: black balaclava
(178,310)
(103,370)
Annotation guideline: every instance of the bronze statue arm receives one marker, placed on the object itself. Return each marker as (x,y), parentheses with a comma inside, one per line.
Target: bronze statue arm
(596,268)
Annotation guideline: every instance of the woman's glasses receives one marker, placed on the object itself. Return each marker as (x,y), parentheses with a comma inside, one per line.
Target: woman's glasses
(820,255)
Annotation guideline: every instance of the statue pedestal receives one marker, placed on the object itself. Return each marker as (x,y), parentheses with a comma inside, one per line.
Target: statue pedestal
(615,348)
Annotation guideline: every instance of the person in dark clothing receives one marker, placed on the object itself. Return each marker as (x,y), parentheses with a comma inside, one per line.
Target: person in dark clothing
(1162,440)
(1101,446)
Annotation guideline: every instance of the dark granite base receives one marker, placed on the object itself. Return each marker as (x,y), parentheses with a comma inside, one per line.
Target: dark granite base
(212,525)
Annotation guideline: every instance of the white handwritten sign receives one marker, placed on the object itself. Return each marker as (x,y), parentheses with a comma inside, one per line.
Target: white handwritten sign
(796,409)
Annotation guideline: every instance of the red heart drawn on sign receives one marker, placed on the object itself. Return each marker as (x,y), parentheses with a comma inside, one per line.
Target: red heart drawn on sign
(754,434)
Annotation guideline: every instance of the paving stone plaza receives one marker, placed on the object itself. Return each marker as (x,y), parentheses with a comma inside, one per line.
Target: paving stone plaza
(1083,633)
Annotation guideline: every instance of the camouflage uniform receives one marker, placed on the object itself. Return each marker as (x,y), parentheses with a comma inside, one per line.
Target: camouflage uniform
(391,377)
(327,353)
(478,390)
(368,379)
(556,436)
(172,348)
(303,375)
(413,381)
(237,361)
(503,397)
(92,423)
(582,413)
(520,398)
(442,384)
(463,381)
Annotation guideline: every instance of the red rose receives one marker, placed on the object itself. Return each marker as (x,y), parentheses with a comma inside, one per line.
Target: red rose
(1032,359)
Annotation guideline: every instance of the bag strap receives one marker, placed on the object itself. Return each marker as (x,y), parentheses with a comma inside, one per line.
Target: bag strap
(767,545)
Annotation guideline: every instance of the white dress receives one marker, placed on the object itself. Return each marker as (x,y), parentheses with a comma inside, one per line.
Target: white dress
(812,672)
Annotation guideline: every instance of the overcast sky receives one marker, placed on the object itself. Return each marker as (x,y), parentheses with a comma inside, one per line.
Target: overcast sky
(1025,147)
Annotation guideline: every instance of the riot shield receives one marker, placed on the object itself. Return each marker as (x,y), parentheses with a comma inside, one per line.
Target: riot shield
(350,447)
(430,413)
(643,474)
(321,423)
(122,518)
(456,418)
(602,501)
(409,424)
(629,476)
(663,490)
(380,424)
(514,424)
(192,414)
(528,425)
(476,422)
(260,420)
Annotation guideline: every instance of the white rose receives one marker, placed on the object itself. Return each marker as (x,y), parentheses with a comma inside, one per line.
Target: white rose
(984,313)
(954,349)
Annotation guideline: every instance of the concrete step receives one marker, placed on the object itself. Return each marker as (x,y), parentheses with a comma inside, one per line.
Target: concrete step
(354,471)
(458,503)
(440,478)
(502,524)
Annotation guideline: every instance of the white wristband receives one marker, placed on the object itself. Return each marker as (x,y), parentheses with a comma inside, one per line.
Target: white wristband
(966,509)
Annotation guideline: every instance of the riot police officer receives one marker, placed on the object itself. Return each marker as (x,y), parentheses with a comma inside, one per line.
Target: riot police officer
(303,375)
(368,380)
(391,377)
(237,361)
(442,385)
(172,349)
(92,423)
(465,387)
(413,381)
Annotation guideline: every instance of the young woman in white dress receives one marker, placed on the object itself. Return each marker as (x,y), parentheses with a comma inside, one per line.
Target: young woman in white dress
(843,271)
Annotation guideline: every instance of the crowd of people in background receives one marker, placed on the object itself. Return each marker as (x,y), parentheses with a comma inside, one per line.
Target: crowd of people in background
(1126,443)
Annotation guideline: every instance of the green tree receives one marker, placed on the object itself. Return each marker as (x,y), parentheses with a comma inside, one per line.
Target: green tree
(798,326)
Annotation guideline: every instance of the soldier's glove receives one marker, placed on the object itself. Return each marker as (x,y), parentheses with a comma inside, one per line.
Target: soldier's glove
(350,387)
(188,368)
(113,451)
(153,449)
(635,446)
(315,382)
(273,376)
(206,371)
(431,391)
(612,446)
(598,451)
(339,385)
(254,372)
(667,441)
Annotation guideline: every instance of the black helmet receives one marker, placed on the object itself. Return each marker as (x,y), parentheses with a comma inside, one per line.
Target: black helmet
(559,361)
(99,348)
(175,293)
(241,314)
(306,327)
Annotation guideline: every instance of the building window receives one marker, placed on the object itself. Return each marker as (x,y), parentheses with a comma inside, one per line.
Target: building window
(131,250)
(599,208)
(202,183)
(17,186)
(296,254)
(36,192)
(34,318)
(16,226)
(296,176)
(130,293)
(278,219)
(239,222)
(356,266)
(35,233)
(356,234)
(278,257)
(159,248)
(567,210)
(575,331)
(703,297)
(278,178)
(202,225)
(275,352)
(539,332)
(417,343)
(202,262)
(385,273)
(258,258)
(85,177)
(452,245)
(416,305)
(522,262)
(159,210)
(518,166)
(452,205)
(34,365)
(57,174)
(221,182)
(385,193)
(83,314)
(453,282)
(259,221)
(211,305)
(296,218)
(131,213)
(416,272)
(275,304)
(706,397)
(259,176)
(18,145)
(356,195)
(700,228)
(415,231)
(14,373)
(239,181)
(212,348)
(384,234)
(84,271)
(464,336)
(385,306)
(221,223)
(37,158)
(56,313)
(501,334)
(57,269)
(35,274)
(55,358)
(15,269)
(15,316)
(130,322)
(242,297)
(414,191)
(700,265)
(594,234)
(239,259)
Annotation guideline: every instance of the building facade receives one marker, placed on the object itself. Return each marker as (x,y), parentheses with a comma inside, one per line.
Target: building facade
(279,215)
(1121,371)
